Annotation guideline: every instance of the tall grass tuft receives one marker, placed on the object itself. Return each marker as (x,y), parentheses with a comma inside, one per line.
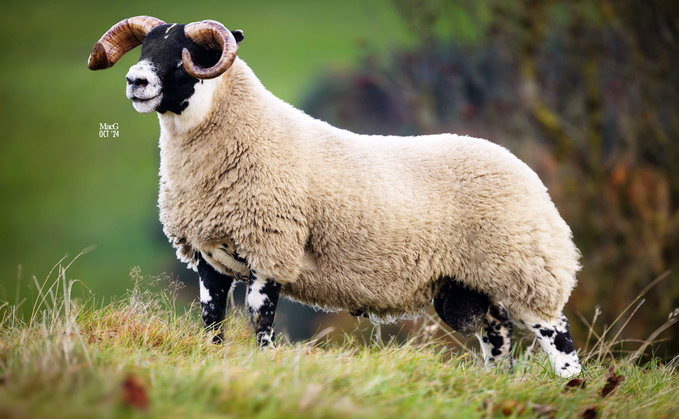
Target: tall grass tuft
(142,356)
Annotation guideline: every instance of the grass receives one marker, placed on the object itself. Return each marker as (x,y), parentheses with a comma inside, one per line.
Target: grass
(139,356)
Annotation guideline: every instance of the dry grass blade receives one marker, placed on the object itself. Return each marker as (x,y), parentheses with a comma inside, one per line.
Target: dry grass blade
(602,348)
(638,297)
(43,296)
(617,335)
(448,334)
(651,339)
(590,327)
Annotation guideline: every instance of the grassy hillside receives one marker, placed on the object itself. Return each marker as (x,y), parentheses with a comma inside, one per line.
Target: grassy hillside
(139,357)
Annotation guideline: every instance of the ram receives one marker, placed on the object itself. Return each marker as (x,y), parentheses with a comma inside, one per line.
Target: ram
(252,189)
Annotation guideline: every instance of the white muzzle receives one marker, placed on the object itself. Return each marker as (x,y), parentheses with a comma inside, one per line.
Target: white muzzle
(143,87)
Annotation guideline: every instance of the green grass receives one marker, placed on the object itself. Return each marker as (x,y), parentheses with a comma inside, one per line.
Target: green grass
(139,356)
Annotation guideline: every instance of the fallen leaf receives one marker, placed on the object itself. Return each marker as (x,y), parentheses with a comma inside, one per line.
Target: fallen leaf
(575,383)
(589,413)
(134,393)
(613,381)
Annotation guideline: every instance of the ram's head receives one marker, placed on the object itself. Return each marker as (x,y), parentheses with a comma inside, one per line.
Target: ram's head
(174,57)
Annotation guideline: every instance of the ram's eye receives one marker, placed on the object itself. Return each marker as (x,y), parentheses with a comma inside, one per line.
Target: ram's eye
(179,63)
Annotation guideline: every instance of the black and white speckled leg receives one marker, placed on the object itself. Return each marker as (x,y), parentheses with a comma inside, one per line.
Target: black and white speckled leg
(555,339)
(214,288)
(495,337)
(262,300)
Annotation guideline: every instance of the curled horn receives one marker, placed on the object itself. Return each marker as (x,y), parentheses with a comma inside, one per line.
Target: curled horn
(122,37)
(212,35)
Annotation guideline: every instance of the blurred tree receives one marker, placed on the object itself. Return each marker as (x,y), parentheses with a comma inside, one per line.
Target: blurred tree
(585,92)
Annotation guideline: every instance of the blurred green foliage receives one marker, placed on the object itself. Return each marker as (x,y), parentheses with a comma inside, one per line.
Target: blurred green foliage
(63,188)
(584,92)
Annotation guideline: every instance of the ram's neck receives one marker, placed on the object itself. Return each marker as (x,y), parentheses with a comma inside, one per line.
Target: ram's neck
(246,144)
(232,107)
(253,113)
(232,124)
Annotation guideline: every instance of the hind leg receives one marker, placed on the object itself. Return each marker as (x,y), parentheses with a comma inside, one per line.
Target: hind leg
(461,308)
(555,339)
(495,337)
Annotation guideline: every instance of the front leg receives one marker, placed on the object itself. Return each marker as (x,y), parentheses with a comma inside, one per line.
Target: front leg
(262,300)
(214,287)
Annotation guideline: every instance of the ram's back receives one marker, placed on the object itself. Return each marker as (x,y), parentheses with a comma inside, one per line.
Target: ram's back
(394,217)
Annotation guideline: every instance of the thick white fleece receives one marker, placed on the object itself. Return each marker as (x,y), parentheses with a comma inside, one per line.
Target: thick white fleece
(372,223)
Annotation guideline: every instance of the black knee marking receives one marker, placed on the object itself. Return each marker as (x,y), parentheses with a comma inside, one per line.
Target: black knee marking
(262,301)
(496,341)
(461,308)
(563,340)
(215,287)
(564,343)
(558,336)
(498,313)
(555,339)
(546,333)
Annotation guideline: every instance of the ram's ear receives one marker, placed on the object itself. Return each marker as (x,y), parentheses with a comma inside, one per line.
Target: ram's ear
(238,34)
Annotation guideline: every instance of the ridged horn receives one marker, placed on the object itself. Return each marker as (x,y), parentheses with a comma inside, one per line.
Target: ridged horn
(122,37)
(212,35)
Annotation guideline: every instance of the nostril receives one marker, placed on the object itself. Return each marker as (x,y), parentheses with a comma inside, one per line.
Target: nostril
(139,82)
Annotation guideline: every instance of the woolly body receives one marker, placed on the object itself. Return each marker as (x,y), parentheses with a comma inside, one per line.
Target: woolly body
(348,221)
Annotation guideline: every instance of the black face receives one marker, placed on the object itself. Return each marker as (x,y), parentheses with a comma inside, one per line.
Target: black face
(162,48)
